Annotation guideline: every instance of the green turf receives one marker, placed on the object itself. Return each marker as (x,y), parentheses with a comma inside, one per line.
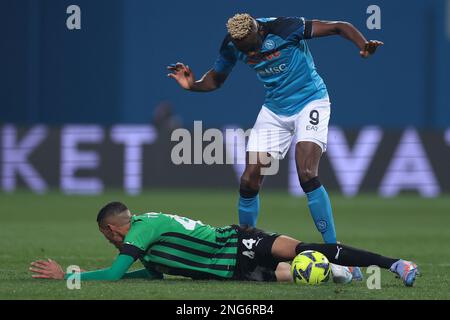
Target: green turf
(64,228)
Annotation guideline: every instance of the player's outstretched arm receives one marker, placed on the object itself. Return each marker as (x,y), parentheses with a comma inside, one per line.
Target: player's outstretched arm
(348,31)
(50,269)
(210,81)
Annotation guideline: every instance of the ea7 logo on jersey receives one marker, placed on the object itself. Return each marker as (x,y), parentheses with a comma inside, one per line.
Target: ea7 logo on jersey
(312,128)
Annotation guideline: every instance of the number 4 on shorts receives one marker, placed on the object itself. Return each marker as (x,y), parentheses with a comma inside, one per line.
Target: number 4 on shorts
(248,243)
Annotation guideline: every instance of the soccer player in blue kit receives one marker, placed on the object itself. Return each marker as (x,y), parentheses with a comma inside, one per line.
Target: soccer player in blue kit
(296,107)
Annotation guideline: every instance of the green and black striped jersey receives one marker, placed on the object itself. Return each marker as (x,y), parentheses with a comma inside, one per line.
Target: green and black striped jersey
(177,245)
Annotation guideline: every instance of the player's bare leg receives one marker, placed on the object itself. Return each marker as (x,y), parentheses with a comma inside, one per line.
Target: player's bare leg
(251,181)
(284,248)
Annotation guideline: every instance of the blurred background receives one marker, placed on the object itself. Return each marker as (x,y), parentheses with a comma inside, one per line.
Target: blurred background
(86,104)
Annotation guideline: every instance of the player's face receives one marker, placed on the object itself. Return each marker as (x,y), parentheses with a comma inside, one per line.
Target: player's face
(113,237)
(252,44)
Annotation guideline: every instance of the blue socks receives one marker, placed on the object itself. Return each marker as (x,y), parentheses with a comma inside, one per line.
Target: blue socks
(248,207)
(320,208)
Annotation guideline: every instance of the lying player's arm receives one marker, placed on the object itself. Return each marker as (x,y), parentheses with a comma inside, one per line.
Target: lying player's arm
(52,270)
(348,31)
(210,81)
(116,272)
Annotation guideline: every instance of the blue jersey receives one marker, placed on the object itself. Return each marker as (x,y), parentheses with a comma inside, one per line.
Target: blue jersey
(285,66)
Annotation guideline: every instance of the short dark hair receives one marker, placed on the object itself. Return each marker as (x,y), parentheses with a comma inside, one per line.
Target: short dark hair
(109,210)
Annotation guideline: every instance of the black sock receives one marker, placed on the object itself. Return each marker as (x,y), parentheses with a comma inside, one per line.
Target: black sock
(246,192)
(348,256)
(311,185)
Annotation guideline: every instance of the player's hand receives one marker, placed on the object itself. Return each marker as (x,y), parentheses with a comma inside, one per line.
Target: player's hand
(46,269)
(182,74)
(370,48)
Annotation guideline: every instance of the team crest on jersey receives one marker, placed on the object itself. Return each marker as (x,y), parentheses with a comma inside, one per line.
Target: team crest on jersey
(269,44)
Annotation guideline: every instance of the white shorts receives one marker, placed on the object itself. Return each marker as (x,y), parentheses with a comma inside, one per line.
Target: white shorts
(274,133)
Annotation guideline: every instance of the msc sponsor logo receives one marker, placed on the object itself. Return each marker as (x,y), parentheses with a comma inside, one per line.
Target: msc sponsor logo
(273,70)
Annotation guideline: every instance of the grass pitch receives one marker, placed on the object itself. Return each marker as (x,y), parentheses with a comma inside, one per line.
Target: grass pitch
(63,228)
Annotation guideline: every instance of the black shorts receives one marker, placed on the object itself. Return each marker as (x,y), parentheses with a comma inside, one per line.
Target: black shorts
(254,260)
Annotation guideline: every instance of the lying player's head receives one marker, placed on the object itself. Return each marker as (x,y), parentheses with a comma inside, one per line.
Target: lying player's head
(245,33)
(114,222)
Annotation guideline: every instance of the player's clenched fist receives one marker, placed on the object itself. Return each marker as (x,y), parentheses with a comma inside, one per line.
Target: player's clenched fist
(370,47)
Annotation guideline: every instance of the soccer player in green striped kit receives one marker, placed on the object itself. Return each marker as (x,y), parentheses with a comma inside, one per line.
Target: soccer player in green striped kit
(170,244)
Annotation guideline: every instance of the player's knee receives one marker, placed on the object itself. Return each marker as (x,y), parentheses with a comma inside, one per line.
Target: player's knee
(249,187)
(283,272)
(250,183)
(251,178)
(306,173)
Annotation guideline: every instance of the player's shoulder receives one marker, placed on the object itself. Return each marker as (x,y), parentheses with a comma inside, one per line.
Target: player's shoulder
(267,20)
(146,217)
(281,21)
(147,222)
(282,26)
(227,44)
